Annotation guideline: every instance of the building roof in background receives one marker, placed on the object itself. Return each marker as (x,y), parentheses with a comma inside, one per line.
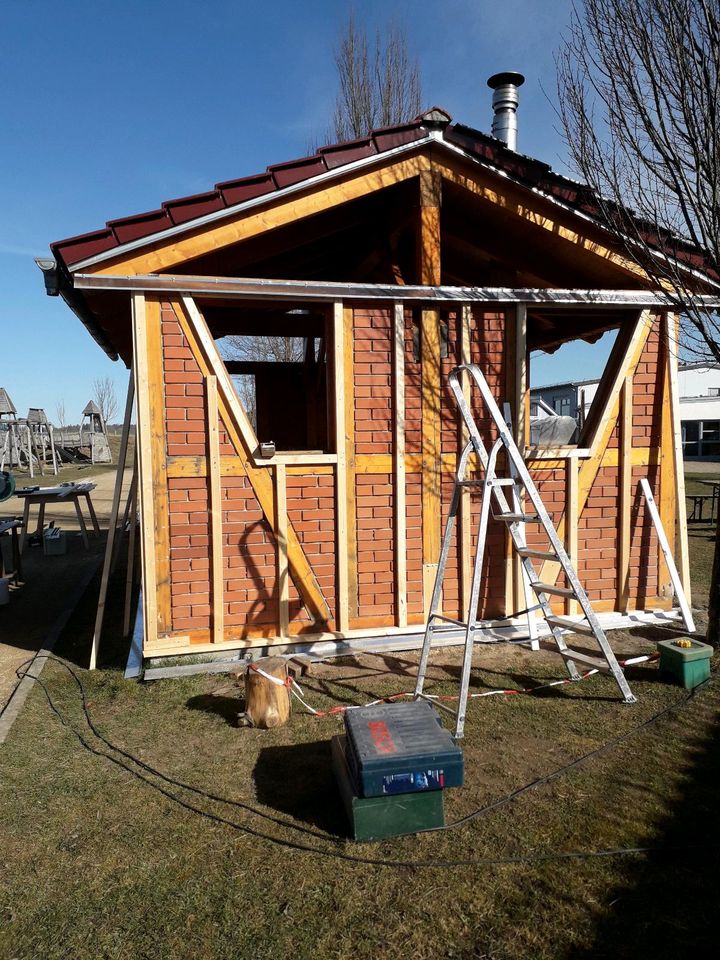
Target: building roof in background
(91,408)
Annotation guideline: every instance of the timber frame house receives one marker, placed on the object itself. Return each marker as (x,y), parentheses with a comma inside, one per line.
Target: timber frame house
(391,260)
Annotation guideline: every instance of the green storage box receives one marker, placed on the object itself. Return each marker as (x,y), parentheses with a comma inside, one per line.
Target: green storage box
(374,818)
(689,666)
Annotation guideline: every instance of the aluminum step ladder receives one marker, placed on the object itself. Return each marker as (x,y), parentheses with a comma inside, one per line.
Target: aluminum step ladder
(520,487)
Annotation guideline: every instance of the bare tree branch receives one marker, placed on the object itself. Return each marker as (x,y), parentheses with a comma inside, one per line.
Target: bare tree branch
(638,85)
(106,398)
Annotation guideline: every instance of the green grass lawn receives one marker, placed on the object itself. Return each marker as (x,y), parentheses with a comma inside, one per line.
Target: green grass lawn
(99,863)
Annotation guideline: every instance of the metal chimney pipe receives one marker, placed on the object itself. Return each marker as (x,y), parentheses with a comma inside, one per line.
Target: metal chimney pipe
(505,104)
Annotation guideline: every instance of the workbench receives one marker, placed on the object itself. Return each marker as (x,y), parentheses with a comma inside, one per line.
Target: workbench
(65,493)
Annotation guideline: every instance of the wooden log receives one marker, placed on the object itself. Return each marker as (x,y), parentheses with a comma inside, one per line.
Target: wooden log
(267,704)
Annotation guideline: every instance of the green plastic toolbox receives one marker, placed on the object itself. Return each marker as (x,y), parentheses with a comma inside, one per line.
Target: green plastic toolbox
(374,818)
(690,666)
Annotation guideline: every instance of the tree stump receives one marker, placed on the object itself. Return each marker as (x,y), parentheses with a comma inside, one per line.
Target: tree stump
(267,704)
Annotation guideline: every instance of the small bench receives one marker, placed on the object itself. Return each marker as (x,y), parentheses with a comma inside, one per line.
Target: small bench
(697,505)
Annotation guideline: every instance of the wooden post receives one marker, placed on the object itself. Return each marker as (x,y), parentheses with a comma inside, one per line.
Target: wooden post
(520,414)
(350,461)
(131,548)
(399,466)
(112,528)
(215,505)
(283,570)
(668,472)
(625,491)
(431,435)
(571,521)
(341,504)
(672,334)
(466,559)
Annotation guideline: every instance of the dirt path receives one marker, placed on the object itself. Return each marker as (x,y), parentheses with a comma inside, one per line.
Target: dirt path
(49,581)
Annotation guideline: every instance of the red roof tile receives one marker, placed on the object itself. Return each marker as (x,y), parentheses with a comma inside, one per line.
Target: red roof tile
(187,208)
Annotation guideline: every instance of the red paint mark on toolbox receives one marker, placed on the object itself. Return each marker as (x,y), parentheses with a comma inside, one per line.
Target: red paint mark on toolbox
(381,736)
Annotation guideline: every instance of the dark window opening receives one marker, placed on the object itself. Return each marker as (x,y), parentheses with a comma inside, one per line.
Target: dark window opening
(417,338)
(281,379)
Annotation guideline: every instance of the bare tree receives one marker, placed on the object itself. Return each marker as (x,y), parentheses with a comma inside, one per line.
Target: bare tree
(639,91)
(105,398)
(379,83)
(60,413)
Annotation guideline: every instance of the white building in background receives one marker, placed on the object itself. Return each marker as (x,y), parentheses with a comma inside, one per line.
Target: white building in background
(699,388)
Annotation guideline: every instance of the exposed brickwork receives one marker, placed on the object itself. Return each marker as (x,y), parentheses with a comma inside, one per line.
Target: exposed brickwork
(372,355)
(375,533)
(311,511)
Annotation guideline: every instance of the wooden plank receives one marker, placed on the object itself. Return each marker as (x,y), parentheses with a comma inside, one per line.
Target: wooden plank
(278,212)
(431,433)
(465,538)
(571,525)
(668,488)
(400,506)
(665,547)
(161,498)
(634,345)
(349,378)
(341,504)
(144,449)
(520,405)
(281,532)
(112,528)
(625,499)
(243,438)
(672,334)
(217,583)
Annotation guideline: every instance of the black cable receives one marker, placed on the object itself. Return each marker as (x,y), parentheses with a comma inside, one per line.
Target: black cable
(337,854)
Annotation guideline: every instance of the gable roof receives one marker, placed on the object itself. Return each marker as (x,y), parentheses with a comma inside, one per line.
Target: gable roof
(91,408)
(185,213)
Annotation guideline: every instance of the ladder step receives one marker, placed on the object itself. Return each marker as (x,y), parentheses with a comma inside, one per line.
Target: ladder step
(567,623)
(502,482)
(517,517)
(540,587)
(595,663)
(536,554)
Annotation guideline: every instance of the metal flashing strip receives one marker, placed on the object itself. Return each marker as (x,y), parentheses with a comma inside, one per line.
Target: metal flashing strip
(298,290)
(228,212)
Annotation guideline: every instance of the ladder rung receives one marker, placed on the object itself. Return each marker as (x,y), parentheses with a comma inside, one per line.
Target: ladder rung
(595,663)
(517,517)
(502,482)
(536,554)
(567,623)
(540,587)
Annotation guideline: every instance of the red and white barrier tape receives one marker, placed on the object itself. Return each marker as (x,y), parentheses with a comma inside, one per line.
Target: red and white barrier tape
(296,690)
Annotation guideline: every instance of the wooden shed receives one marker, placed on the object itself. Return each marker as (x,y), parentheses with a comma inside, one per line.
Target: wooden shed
(384,262)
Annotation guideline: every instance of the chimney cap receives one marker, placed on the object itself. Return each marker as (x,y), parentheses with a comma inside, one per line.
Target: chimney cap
(507,76)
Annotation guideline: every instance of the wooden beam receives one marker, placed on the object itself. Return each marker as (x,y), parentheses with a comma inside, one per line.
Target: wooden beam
(112,528)
(668,487)
(400,515)
(466,558)
(168,252)
(672,335)
(571,525)
(243,438)
(161,499)
(217,584)
(349,377)
(431,435)
(281,536)
(145,468)
(341,503)
(428,245)
(625,494)
(520,405)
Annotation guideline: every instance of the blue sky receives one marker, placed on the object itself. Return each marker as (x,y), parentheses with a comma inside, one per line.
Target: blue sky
(111,107)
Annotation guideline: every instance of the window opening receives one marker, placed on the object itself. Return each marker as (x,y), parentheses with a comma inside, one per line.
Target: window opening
(563,386)
(281,380)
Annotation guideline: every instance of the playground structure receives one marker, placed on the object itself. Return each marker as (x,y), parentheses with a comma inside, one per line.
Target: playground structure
(33,444)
